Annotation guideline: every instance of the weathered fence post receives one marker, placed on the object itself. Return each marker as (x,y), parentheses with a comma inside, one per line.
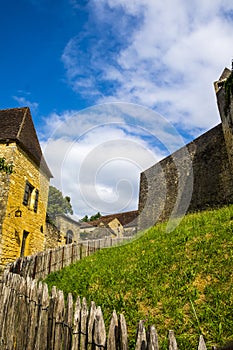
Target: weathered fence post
(51,319)
(33,303)
(152,339)
(83,330)
(62,256)
(50,261)
(35,266)
(113,334)
(141,343)
(201,345)
(76,325)
(59,321)
(42,339)
(123,336)
(91,319)
(99,330)
(81,251)
(68,323)
(172,341)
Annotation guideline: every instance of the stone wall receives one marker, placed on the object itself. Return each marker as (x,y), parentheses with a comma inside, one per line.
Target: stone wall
(171,187)
(66,225)
(31,222)
(225,106)
(53,237)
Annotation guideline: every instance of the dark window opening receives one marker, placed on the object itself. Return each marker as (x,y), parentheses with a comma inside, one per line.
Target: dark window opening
(36,201)
(25,235)
(31,197)
(69,237)
(27,193)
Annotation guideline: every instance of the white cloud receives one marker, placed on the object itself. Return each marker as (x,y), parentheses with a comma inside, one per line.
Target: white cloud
(165,56)
(23,101)
(97,155)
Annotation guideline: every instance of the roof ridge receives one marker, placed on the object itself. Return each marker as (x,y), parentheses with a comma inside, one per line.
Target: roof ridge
(22,123)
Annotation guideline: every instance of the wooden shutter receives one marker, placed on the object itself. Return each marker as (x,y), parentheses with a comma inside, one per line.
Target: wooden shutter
(36,201)
(26,193)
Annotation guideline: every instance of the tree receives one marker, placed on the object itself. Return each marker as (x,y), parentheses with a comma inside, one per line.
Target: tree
(85,219)
(95,217)
(92,218)
(57,204)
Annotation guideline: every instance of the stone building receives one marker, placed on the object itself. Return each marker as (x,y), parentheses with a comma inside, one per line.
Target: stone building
(69,228)
(24,192)
(197,176)
(65,230)
(114,225)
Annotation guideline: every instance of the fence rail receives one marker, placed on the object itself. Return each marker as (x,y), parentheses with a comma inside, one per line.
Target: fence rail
(33,319)
(42,264)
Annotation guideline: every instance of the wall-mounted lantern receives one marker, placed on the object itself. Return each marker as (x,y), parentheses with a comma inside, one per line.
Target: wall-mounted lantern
(18,213)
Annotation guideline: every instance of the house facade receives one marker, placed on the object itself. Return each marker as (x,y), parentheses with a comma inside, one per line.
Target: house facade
(114,225)
(69,228)
(24,192)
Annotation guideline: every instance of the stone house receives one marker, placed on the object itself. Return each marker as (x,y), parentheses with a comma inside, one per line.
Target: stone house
(69,228)
(65,230)
(24,192)
(114,225)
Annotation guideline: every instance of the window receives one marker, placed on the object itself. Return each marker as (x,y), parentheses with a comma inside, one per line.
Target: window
(36,201)
(69,237)
(25,235)
(31,197)
(27,194)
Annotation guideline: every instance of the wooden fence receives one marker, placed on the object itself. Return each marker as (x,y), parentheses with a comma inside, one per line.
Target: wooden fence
(31,319)
(43,263)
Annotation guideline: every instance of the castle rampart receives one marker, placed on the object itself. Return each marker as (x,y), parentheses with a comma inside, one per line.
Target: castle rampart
(207,183)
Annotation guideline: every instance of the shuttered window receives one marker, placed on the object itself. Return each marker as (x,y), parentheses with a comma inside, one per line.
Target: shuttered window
(36,201)
(31,197)
(27,193)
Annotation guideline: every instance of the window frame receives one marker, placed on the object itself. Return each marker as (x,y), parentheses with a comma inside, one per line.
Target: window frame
(31,197)
(36,201)
(28,190)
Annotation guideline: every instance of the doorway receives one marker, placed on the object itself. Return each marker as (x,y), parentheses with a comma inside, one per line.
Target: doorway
(25,235)
(69,237)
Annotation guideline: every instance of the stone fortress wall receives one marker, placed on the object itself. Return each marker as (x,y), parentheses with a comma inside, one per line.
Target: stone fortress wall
(197,176)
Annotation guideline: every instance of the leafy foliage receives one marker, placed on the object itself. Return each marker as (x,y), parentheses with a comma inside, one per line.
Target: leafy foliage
(6,168)
(180,280)
(57,204)
(85,218)
(92,218)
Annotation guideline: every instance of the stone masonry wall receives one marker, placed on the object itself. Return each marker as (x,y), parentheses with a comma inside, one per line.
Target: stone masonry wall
(225,106)
(169,186)
(34,223)
(65,224)
(53,237)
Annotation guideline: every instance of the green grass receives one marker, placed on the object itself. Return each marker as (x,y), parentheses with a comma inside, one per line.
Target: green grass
(180,280)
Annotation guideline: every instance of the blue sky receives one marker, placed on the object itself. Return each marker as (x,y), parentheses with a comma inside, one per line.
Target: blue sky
(102,76)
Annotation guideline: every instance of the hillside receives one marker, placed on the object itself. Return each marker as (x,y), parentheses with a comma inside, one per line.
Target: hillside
(180,280)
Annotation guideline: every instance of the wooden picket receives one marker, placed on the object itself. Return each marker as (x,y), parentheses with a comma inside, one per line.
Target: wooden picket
(40,265)
(33,319)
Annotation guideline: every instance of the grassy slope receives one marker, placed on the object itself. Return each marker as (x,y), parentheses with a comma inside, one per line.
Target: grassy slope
(180,280)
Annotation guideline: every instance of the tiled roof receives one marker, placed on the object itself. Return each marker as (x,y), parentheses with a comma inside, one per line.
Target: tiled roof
(86,224)
(16,125)
(126,218)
